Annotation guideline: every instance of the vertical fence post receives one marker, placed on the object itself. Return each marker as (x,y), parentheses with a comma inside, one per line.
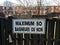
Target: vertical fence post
(30,39)
(57,38)
(23,38)
(16,40)
(2,32)
(47,33)
(54,33)
(6,31)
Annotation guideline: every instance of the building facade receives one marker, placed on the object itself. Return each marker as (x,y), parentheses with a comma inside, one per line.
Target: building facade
(43,10)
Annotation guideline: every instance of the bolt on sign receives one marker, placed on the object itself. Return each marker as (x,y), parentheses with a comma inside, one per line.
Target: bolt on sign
(32,26)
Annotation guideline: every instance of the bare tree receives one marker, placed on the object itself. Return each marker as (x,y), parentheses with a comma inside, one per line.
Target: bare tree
(57,2)
(31,4)
(40,3)
(25,2)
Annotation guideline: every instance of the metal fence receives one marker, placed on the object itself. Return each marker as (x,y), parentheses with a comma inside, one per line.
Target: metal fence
(51,36)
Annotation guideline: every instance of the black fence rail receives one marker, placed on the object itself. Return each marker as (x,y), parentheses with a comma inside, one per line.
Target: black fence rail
(51,36)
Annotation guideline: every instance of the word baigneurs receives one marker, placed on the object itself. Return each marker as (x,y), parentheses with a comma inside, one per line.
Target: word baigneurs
(28,29)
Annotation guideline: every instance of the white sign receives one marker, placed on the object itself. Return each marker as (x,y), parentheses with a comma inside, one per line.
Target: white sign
(33,26)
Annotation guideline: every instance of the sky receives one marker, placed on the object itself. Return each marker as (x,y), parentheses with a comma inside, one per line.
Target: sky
(34,2)
(1,1)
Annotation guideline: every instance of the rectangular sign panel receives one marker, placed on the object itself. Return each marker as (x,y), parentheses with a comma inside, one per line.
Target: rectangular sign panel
(32,26)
